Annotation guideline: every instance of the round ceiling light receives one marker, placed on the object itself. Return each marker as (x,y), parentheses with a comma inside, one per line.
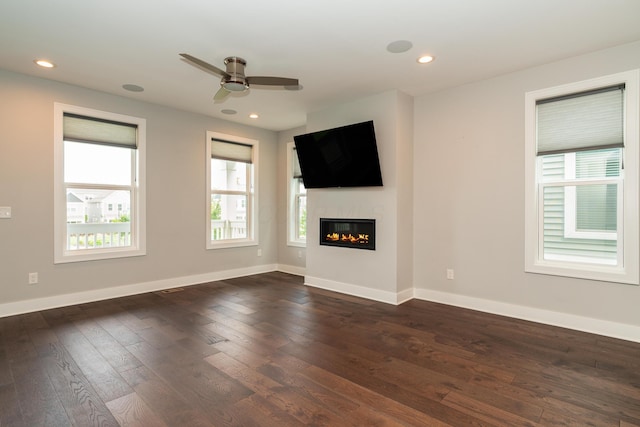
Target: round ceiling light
(425,59)
(228,111)
(253,116)
(44,63)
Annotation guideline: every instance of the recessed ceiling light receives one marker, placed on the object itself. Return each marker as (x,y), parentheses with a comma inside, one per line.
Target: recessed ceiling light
(44,63)
(253,116)
(399,46)
(425,59)
(228,111)
(132,88)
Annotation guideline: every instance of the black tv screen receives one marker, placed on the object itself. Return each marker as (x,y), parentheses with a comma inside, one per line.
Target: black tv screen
(341,157)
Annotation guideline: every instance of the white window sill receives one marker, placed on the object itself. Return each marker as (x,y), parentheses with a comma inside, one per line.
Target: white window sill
(602,273)
(96,255)
(297,244)
(236,243)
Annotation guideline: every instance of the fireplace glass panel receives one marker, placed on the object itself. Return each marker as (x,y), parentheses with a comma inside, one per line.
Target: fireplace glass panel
(348,233)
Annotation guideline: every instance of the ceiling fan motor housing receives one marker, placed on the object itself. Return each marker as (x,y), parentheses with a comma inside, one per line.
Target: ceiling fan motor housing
(236,82)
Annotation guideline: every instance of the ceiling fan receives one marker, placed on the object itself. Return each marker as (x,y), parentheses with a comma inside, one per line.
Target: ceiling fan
(234,80)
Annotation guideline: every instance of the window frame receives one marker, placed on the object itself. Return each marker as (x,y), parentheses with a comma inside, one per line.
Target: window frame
(137,187)
(252,196)
(293,200)
(628,271)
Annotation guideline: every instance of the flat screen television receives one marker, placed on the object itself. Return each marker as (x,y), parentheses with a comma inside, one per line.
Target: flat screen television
(346,156)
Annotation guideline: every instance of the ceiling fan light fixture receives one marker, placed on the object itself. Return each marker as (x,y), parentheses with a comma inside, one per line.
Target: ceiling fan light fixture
(235,86)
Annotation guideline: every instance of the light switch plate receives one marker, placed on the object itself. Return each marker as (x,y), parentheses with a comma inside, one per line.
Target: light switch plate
(5,212)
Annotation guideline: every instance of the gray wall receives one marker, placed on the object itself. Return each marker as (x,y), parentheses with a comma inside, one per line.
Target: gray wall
(175,178)
(469,198)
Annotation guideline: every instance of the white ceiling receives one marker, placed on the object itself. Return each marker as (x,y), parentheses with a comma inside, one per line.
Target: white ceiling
(337,48)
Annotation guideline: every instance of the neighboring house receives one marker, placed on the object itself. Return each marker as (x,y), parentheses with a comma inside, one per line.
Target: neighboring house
(99,206)
(75,209)
(114,205)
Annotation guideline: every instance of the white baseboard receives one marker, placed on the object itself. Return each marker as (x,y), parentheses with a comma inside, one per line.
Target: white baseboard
(291,269)
(353,290)
(563,320)
(404,296)
(28,306)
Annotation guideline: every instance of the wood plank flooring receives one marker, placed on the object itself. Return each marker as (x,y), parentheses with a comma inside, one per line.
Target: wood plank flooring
(265,350)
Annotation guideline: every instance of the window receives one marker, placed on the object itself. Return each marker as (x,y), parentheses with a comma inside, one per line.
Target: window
(99,162)
(582,179)
(297,201)
(231,191)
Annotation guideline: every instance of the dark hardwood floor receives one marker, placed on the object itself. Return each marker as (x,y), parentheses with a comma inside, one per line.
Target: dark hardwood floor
(265,350)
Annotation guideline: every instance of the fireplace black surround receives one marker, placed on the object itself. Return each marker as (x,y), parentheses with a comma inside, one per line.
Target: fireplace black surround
(348,233)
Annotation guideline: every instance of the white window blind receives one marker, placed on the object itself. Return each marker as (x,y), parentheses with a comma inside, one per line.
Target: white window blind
(583,121)
(229,150)
(92,130)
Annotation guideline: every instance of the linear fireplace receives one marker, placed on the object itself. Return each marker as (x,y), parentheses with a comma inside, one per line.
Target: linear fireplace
(348,233)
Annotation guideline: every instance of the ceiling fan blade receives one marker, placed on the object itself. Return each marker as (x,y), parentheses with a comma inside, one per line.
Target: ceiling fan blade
(271,81)
(221,94)
(205,66)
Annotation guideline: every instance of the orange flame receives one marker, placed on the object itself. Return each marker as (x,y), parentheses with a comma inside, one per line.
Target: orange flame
(349,238)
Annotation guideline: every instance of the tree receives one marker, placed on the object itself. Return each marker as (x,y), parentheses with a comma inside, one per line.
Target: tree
(216,210)
(123,218)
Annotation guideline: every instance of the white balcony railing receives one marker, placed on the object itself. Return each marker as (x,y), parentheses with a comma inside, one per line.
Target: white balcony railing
(118,234)
(98,235)
(222,229)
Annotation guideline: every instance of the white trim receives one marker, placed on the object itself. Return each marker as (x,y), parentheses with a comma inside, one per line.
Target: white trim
(138,187)
(350,289)
(404,296)
(292,269)
(46,303)
(570,321)
(563,320)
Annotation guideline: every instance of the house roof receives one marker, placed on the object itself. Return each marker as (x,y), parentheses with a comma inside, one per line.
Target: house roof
(72,198)
(338,49)
(92,195)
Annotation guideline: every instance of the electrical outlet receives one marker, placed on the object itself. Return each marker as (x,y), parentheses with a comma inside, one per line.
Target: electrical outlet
(5,212)
(259,252)
(450,274)
(33,278)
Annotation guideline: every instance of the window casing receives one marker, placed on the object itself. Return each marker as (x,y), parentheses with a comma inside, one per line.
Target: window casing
(99,161)
(296,201)
(232,166)
(581,209)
